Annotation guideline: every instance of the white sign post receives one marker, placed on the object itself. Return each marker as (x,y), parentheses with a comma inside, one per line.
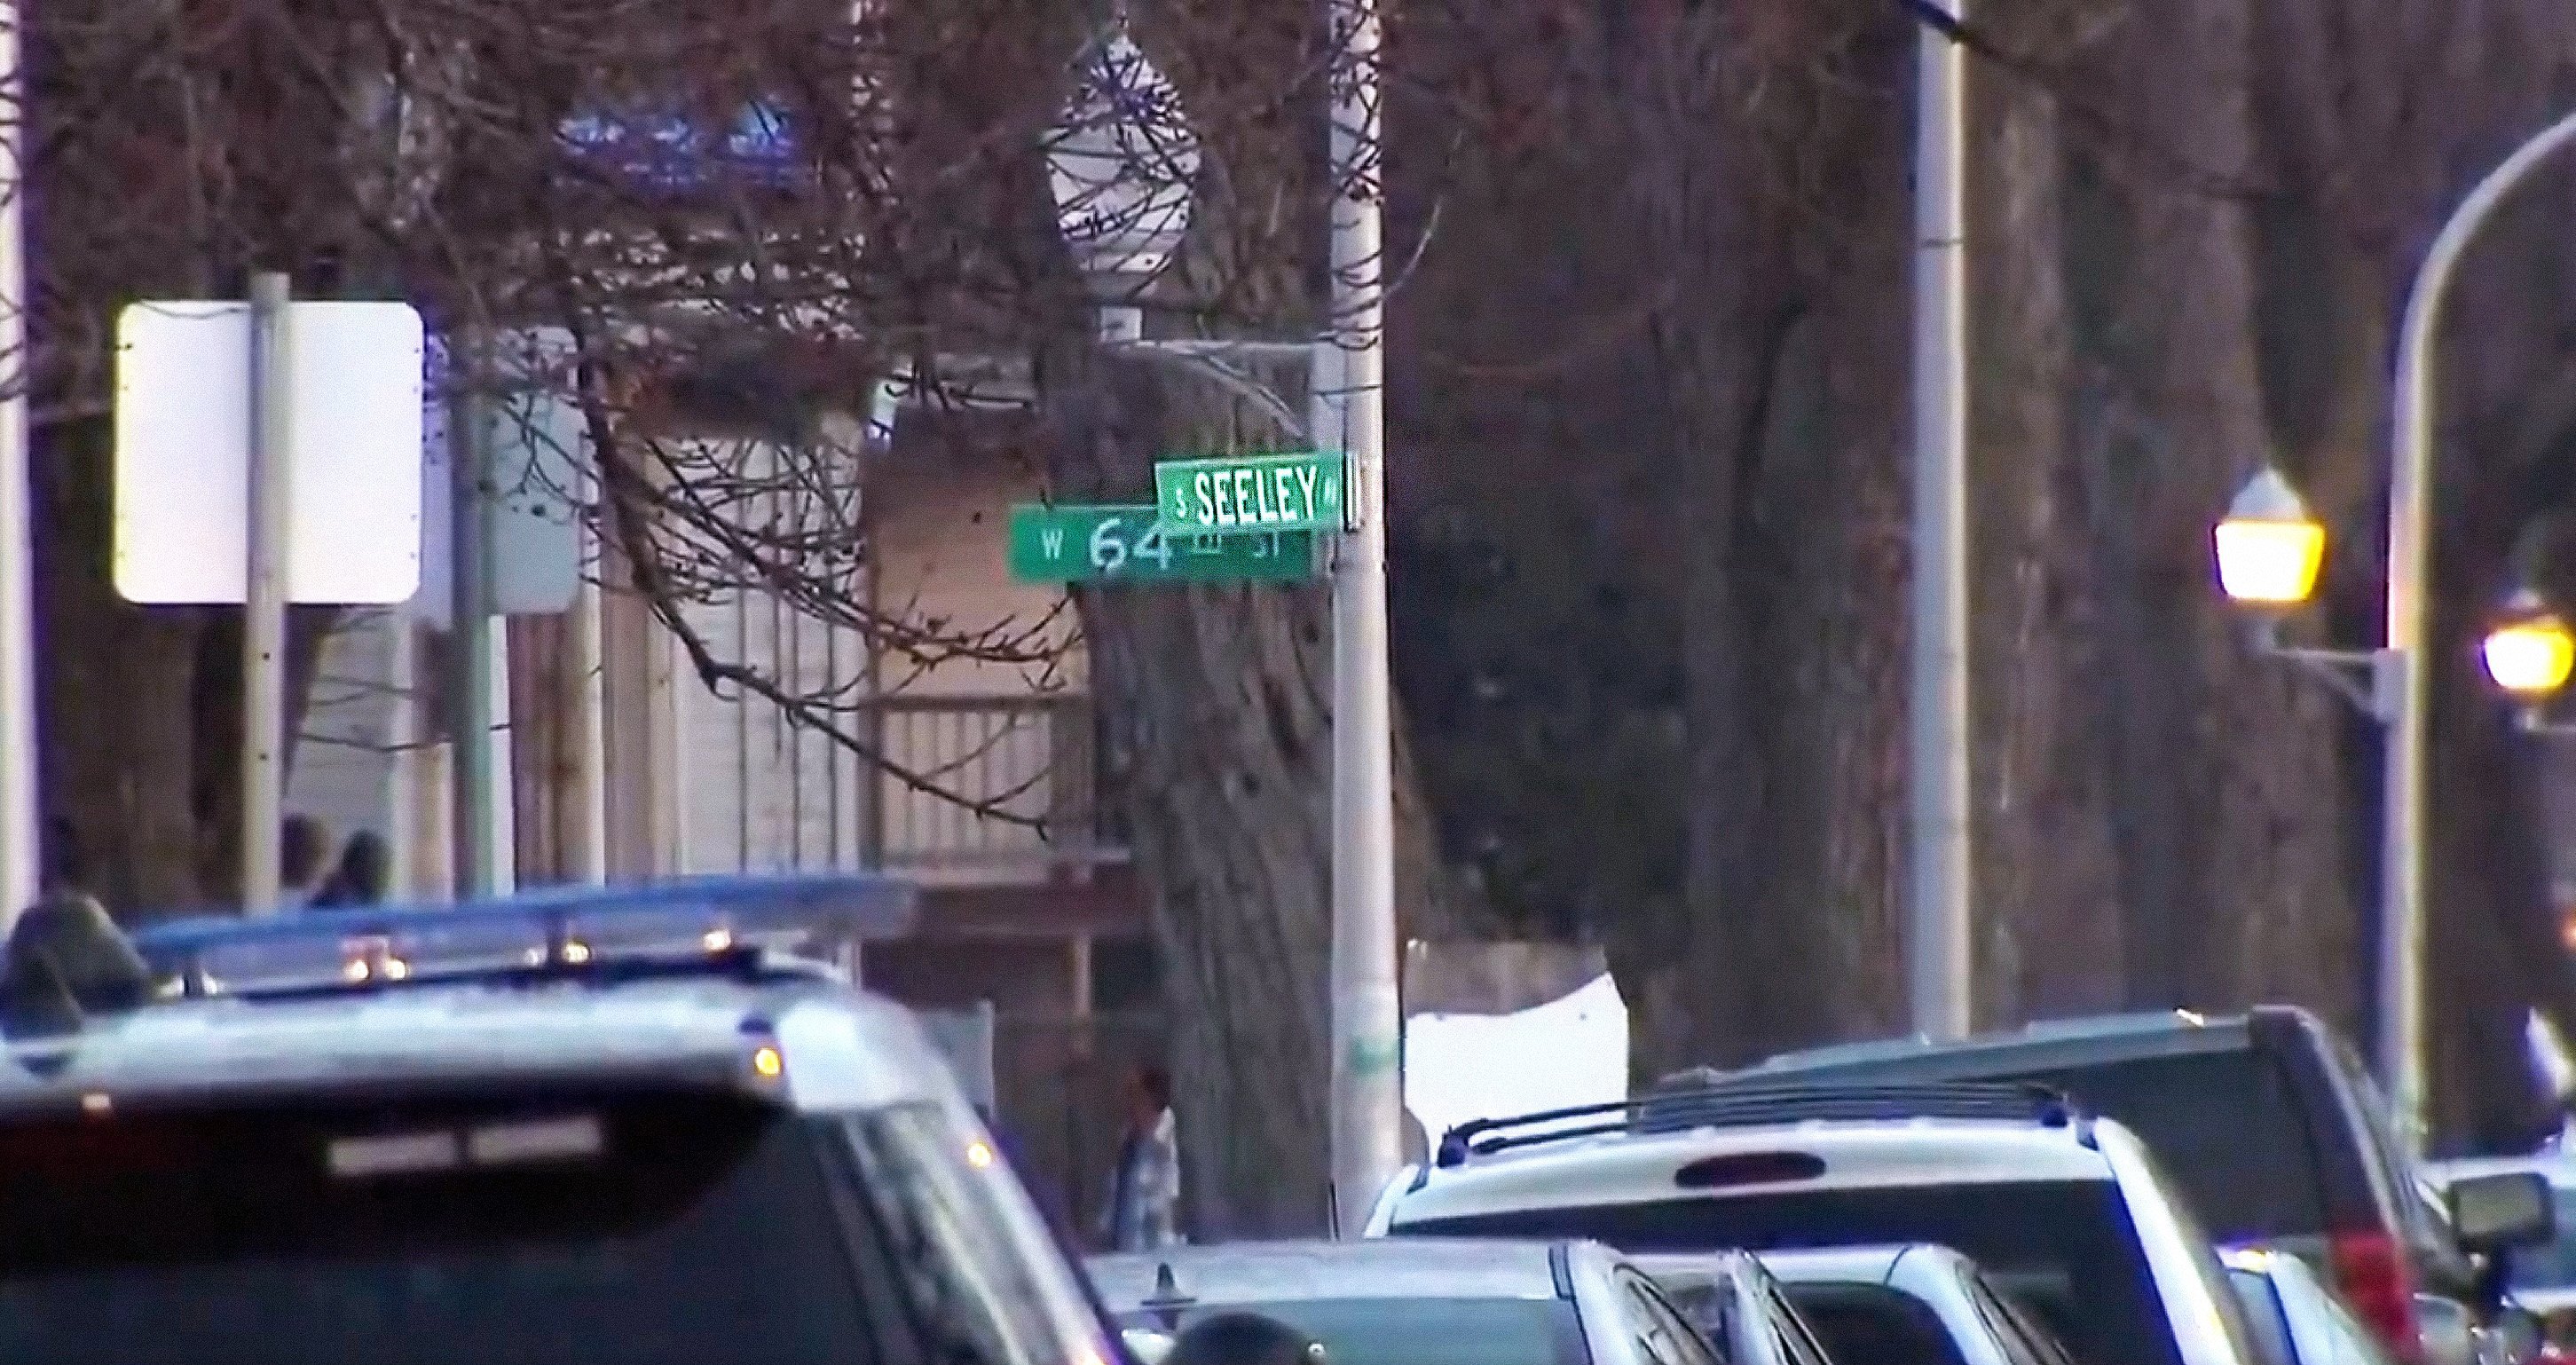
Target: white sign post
(267,452)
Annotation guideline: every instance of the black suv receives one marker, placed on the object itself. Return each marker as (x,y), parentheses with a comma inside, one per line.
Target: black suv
(621,1126)
(2266,1119)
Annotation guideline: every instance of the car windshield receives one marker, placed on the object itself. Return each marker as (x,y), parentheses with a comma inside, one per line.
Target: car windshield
(1463,1331)
(565,1229)
(2066,1248)
(2551,1266)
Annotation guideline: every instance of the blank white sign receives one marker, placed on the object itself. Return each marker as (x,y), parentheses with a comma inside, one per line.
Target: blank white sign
(183,452)
(540,451)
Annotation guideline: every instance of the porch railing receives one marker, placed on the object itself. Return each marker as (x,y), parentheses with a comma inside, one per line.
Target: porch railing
(1017,781)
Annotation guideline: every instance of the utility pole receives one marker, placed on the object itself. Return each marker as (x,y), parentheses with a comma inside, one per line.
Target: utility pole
(1368,1021)
(272,404)
(19,857)
(1941,960)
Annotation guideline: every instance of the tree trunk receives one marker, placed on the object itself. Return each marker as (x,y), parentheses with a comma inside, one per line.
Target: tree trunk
(2232,874)
(117,724)
(2046,869)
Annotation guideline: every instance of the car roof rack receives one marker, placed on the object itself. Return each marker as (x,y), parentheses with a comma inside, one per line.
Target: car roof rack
(1744,1103)
(689,925)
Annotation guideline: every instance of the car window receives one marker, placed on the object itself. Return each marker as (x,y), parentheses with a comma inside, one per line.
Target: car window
(2025,1342)
(977,1274)
(2264,1315)
(1791,1332)
(1363,1331)
(2227,1122)
(564,1229)
(1875,1324)
(2066,1247)
(1664,1333)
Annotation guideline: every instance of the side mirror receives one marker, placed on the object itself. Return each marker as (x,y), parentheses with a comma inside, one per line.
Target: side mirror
(2493,1213)
(1148,1348)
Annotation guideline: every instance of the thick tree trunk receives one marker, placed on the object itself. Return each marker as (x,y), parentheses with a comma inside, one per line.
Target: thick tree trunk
(1782,369)
(2046,868)
(1220,748)
(2232,874)
(117,724)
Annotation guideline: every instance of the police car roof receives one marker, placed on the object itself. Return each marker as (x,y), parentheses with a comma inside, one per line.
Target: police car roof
(841,1048)
(552,1010)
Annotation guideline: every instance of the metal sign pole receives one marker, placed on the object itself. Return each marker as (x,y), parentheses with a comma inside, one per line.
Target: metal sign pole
(18,859)
(265,593)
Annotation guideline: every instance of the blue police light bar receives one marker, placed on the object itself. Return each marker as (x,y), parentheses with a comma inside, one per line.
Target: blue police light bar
(702,918)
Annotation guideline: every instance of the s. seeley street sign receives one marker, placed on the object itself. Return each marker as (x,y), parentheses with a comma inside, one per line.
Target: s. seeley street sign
(1248,494)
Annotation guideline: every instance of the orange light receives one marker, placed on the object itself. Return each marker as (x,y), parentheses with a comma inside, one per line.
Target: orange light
(2530,655)
(2268,546)
(2567,930)
(767,1063)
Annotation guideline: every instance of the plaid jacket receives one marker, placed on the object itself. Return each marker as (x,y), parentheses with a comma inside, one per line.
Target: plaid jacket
(1145,1193)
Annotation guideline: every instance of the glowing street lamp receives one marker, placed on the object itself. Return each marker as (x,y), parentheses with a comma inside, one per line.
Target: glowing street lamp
(2269,547)
(2529,650)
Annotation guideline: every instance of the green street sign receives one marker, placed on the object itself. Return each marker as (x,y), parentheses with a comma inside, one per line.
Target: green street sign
(1072,544)
(1249,494)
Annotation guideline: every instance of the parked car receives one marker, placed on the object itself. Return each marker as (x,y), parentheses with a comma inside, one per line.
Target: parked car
(2267,1119)
(1450,1302)
(2066,1211)
(1895,1305)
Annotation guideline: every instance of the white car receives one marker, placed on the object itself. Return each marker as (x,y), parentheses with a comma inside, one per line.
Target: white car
(2065,1211)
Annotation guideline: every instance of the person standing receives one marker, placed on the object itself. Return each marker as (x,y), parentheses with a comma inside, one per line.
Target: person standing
(365,868)
(303,850)
(1145,1190)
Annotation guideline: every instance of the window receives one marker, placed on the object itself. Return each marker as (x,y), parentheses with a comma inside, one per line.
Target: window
(974,1269)
(2228,1122)
(1414,1331)
(2055,1244)
(2269,1322)
(1876,1324)
(557,1229)
(2024,1342)
(1665,1333)
(1797,1345)
(1707,1303)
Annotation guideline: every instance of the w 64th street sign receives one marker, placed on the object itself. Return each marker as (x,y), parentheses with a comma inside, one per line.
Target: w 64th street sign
(1067,544)
(1246,494)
